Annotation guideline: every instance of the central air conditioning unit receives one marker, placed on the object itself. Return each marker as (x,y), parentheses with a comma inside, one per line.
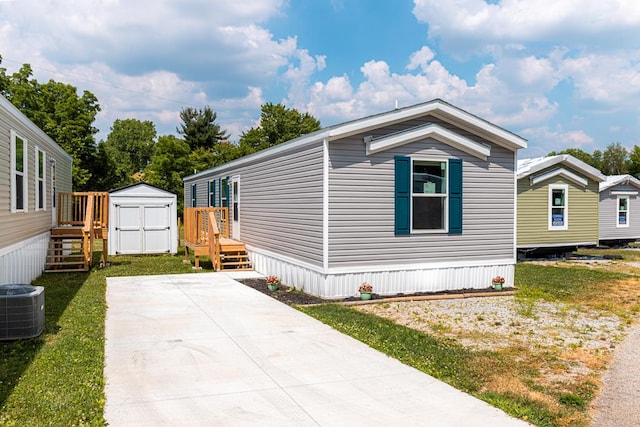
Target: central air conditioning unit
(21,311)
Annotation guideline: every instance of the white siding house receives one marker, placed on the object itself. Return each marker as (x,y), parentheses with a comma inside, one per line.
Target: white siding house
(33,168)
(415,199)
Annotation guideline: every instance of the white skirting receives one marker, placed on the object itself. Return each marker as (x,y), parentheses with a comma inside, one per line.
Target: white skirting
(23,262)
(385,282)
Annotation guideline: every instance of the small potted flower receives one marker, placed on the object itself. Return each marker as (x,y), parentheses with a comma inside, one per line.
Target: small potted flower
(497,283)
(365,290)
(273,283)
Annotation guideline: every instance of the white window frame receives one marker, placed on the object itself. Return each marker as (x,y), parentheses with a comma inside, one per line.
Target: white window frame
(211,196)
(618,211)
(444,196)
(194,195)
(565,188)
(37,179)
(24,173)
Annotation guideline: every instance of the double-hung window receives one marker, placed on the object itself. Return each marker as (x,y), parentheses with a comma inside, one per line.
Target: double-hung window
(558,207)
(623,211)
(429,195)
(41,197)
(224,193)
(19,201)
(211,190)
(194,195)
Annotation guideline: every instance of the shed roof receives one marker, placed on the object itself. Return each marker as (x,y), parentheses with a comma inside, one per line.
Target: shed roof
(437,107)
(140,189)
(527,167)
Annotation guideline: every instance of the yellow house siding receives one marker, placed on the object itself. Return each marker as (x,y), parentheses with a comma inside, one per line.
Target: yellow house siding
(533,214)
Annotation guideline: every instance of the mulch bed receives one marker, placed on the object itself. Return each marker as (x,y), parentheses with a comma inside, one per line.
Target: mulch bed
(291,296)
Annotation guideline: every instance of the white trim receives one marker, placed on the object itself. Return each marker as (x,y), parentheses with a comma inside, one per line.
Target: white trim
(24,173)
(36,179)
(559,172)
(431,130)
(235,224)
(444,196)
(550,206)
(325,205)
(626,224)
(515,208)
(420,266)
(623,193)
(615,180)
(8,249)
(285,258)
(528,167)
(22,262)
(555,245)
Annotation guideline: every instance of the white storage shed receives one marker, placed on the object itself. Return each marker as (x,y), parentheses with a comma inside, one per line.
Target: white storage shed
(143,219)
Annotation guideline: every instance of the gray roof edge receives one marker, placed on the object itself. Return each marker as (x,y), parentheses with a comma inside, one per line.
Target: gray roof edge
(566,159)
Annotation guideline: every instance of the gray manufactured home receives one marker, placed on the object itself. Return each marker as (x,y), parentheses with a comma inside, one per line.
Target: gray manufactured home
(33,168)
(418,199)
(619,210)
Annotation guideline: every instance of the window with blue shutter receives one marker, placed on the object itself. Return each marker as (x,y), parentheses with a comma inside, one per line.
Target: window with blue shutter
(402,194)
(428,195)
(455,196)
(194,196)
(211,189)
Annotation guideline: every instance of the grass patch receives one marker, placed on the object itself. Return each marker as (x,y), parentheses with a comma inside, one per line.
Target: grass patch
(57,378)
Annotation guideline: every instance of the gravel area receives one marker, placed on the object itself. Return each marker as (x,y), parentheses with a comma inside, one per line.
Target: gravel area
(494,322)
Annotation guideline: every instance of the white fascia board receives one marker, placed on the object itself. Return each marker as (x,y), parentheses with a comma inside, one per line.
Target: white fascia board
(586,169)
(624,179)
(623,193)
(433,131)
(13,110)
(563,159)
(559,172)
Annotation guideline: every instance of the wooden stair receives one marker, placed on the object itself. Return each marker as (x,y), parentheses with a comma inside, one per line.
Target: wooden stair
(233,256)
(66,252)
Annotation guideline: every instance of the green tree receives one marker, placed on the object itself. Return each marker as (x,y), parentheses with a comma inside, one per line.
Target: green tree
(634,161)
(615,160)
(578,154)
(129,147)
(277,125)
(200,129)
(57,109)
(170,162)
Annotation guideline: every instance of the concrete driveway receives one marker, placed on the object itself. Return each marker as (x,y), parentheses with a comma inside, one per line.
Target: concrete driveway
(204,350)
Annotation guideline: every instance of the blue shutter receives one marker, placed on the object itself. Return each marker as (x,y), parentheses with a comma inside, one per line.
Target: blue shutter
(455,196)
(220,192)
(213,197)
(402,195)
(194,195)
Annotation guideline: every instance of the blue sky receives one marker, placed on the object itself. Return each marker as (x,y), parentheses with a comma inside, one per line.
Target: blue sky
(561,74)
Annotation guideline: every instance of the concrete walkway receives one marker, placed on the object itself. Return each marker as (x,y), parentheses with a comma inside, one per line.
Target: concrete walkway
(204,350)
(618,404)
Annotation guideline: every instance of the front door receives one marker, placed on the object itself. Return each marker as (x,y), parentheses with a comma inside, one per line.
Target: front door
(235,207)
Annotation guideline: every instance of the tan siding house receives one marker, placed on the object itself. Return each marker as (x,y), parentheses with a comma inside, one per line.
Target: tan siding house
(32,169)
(557,204)
(398,199)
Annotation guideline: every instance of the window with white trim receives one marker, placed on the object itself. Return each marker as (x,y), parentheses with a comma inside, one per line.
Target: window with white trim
(623,212)
(53,183)
(558,207)
(40,174)
(429,195)
(194,195)
(19,194)
(211,190)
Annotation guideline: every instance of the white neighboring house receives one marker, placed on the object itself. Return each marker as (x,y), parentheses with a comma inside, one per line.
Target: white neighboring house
(33,169)
(619,204)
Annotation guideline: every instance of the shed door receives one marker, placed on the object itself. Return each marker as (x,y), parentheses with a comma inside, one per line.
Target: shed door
(143,229)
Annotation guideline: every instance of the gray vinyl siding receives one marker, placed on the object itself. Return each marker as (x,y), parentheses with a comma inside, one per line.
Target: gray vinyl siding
(19,226)
(608,228)
(280,202)
(361,205)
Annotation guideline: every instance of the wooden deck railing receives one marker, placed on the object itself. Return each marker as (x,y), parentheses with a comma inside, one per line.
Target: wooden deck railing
(196,224)
(72,208)
(214,241)
(87,232)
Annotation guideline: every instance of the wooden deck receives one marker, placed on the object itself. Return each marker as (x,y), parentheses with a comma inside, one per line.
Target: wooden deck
(206,232)
(83,217)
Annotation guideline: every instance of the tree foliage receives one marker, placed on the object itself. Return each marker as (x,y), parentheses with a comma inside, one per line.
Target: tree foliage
(57,109)
(578,154)
(277,125)
(615,160)
(170,162)
(200,129)
(128,149)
